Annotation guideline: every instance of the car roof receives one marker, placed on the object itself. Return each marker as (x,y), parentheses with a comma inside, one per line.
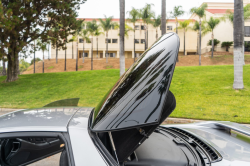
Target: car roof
(41,119)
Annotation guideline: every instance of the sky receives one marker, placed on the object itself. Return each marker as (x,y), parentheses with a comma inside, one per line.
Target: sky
(97,9)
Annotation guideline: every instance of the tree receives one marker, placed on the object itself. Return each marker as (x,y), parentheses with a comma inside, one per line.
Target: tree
(200,12)
(122,31)
(75,38)
(36,60)
(185,26)
(163,17)
(22,22)
(92,27)
(238,45)
(134,15)
(177,12)
(157,24)
(227,44)
(230,14)
(211,24)
(84,34)
(43,47)
(146,15)
(196,28)
(23,65)
(106,25)
(98,32)
(4,68)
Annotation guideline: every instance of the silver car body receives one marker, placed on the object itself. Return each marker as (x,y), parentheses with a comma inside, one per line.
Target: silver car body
(74,121)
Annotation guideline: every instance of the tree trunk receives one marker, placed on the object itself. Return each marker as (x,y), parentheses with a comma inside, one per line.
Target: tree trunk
(156,34)
(238,42)
(72,51)
(65,61)
(43,61)
(48,52)
(147,36)
(163,17)
(12,70)
(77,55)
(97,47)
(212,45)
(243,31)
(122,30)
(134,43)
(83,52)
(56,54)
(34,57)
(184,42)
(200,44)
(92,43)
(107,54)
(4,68)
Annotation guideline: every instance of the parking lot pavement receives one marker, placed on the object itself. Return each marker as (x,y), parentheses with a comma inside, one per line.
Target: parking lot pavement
(49,161)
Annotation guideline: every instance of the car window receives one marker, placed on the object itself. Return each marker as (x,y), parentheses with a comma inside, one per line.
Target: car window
(27,150)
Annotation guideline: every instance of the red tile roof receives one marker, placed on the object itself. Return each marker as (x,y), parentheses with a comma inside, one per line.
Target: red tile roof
(218,11)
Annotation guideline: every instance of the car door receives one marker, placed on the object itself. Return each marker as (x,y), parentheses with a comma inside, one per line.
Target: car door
(17,149)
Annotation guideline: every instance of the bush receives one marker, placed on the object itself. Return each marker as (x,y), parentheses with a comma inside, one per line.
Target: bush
(227,44)
(37,60)
(23,65)
(216,42)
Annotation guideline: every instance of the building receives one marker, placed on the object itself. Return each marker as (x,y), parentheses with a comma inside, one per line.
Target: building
(224,32)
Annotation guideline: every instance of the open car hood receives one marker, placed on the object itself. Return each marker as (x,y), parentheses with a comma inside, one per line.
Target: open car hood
(140,100)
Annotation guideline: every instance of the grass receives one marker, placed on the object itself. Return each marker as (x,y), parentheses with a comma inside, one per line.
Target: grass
(201,92)
(81,66)
(51,67)
(109,67)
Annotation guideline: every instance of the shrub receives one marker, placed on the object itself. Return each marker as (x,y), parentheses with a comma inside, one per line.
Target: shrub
(23,65)
(37,60)
(216,42)
(227,44)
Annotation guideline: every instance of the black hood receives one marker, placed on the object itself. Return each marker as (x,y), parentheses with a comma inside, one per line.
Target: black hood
(140,100)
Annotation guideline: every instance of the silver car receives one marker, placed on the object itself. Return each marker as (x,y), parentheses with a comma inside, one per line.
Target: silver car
(124,129)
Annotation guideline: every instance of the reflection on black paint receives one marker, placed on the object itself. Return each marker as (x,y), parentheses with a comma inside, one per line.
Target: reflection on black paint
(137,98)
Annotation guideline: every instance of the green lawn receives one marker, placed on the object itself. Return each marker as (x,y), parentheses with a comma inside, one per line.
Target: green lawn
(201,92)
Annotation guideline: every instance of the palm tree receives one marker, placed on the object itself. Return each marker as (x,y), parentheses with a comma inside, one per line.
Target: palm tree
(196,28)
(92,28)
(122,31)
(98,32)
(75,38)
(200,12)
(238,45)
(134,15)
(42,46)
(185,26)
(230,14)
(210,26)
(157,24)
(177,12)
(146,15)
(163,17)
(84,34)
(106,25)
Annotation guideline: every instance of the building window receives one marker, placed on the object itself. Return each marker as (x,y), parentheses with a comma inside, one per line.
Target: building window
(169,28)
(137,41)
(247,31)
(143,27)
(142,41)
(86,55)
(137,27)
(109,40)
(80,40)
(114,40)
(111,55)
